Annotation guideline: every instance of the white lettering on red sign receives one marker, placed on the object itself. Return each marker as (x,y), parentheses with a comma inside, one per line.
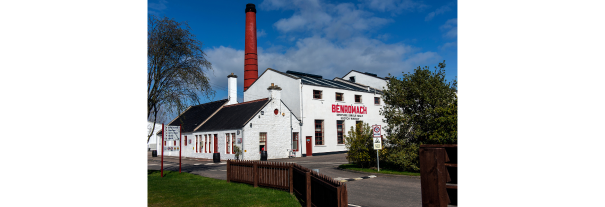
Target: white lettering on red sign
(349,109)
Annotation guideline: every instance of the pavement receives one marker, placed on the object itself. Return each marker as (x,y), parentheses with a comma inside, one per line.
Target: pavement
(364,189)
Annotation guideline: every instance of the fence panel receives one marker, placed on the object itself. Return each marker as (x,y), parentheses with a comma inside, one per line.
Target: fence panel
(309,187)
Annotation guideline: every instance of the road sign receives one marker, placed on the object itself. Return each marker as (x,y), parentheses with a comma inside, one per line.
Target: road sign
(377,143)
(376,130)
(172,133)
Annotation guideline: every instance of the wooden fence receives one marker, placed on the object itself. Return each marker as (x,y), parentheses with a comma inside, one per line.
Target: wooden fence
(311,188)
(439,174)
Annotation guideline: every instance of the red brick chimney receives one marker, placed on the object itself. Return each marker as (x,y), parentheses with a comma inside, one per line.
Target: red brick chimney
(250,58)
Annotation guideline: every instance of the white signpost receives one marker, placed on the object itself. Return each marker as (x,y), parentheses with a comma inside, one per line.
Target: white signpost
(172,133)
(377,142)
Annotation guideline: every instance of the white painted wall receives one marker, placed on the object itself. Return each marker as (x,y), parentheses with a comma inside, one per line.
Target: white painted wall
(322,110)
(290,89)
(367,80)
(278,132)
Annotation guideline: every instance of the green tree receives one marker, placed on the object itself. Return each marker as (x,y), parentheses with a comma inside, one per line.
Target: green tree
(359,145)
(176,69)
(421,108)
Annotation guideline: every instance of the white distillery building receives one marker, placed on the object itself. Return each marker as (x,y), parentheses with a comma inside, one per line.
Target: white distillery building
(254,125)
(327,108)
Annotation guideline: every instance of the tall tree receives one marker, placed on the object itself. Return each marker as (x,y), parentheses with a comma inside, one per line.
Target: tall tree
(176,68)
(421,108)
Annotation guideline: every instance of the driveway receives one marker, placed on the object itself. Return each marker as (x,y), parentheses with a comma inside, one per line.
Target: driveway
(382,190)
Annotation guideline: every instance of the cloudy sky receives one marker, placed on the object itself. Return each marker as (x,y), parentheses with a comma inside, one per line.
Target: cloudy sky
(328,38)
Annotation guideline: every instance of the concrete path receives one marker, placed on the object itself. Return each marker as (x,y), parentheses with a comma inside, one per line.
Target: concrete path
(381,190)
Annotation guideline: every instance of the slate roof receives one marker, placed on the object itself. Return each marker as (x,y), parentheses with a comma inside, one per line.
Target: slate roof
(195,115)
(310,79)
(233,116)
(370,74)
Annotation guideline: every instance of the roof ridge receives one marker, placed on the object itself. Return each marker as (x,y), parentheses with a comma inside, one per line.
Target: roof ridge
(247,102)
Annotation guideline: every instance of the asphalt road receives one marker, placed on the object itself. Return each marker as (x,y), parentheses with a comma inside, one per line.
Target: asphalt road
(383,190)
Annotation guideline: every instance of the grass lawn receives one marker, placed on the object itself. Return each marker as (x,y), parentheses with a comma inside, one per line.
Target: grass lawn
(382,170)
(184,189)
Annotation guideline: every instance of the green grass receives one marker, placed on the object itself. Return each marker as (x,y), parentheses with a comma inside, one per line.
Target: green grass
(184,189)
(382,170)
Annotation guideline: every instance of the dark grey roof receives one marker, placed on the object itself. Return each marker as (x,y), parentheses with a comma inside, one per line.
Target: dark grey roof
(310,79)
(195,115)
(233,116)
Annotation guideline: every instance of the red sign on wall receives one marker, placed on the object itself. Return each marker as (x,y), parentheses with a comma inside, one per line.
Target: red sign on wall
(349,109)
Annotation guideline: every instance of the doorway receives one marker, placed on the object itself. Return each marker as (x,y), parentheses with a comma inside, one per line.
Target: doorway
(309,146)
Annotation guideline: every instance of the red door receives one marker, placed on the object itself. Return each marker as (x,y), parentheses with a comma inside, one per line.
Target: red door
(309,147)
(215,144)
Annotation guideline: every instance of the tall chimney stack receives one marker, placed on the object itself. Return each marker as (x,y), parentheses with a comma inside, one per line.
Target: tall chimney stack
(250,58)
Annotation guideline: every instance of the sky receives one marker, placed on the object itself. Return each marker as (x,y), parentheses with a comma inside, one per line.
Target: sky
(327,38)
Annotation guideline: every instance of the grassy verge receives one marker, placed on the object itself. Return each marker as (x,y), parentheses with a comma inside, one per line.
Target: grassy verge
(382,170)
(184,189)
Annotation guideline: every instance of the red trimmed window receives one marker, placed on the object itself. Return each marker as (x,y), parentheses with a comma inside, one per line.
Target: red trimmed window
(316,94)
(339,97)
(232,143)
(340,126)
(295,141)
(205,143)
(262,141)
(319,132)
(185,140)
(227,143)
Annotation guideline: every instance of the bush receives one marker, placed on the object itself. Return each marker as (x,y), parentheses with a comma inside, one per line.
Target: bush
(360,146)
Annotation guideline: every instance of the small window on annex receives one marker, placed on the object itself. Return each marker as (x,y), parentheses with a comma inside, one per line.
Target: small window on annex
(352,79)
(295,141)
(377,100)
(316,94)
(262,141)
(357,98)
(339,97)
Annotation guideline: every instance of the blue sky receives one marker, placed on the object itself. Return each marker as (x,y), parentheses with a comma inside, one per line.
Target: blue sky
(327,38)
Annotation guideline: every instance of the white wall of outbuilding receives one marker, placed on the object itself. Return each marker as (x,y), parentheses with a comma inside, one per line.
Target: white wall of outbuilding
(367,80)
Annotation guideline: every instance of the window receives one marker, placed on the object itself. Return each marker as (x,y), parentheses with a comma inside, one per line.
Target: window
(377,100)
(339,97)
(206,150)
(197,146)
(352,79)
(262,141)
(316,94)
(185,140)
(339,131)
(295,141)
(232,143)
(319,132)
(227,143)
(357,98)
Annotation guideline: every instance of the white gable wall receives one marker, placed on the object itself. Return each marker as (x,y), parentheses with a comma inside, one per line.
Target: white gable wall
(290,89)
(367,80)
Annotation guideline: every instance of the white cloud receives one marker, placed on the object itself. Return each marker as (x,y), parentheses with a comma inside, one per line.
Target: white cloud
(157,7)
(438,11)
(451,28)
(394,6)
(320,56)
(448,45)
(260,33)
(339,21)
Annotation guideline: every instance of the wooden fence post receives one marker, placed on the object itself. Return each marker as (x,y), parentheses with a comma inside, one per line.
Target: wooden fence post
(308,175)
(228,170)
(291,180)
(255,169)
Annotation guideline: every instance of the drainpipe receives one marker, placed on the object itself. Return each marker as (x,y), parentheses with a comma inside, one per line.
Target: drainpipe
(291,135)
(243,143)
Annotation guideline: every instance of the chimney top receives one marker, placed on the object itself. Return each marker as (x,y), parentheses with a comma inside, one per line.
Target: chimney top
(274,87)
(234,76)
(250,8)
